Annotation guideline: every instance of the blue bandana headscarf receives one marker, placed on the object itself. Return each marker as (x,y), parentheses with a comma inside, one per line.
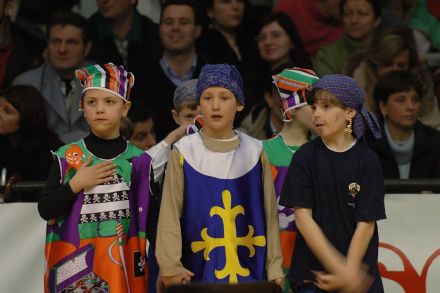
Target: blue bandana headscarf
(220,75)
(349,93)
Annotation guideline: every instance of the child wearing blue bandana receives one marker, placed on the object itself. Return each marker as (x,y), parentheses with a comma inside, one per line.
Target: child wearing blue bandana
(335,185)
(218,221)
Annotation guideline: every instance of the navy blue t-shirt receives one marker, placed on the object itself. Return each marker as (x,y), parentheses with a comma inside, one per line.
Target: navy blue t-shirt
(341,188)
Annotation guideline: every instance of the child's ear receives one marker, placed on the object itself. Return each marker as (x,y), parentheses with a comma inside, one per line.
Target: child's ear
(126,106)
(175,116)
(350,112)
(383,108)
(240,107)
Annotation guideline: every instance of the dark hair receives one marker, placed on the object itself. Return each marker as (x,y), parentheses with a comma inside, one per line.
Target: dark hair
(298,55)
(66,17)
(34,138)
(376,4)
(395,82)
(209,4)
(190,3)
(139,113)
(31,105)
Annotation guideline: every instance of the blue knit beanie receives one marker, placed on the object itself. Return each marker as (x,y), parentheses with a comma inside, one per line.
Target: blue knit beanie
(185,92)
(221,75)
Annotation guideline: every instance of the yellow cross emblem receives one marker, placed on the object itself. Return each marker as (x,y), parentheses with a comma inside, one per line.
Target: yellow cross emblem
(230,241)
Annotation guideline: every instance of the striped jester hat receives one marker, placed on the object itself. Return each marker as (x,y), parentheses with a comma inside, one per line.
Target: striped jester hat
(294,85)
(108,77)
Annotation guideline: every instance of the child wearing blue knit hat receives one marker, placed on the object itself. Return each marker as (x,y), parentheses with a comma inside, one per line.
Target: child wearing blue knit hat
(335,185)
(218,221)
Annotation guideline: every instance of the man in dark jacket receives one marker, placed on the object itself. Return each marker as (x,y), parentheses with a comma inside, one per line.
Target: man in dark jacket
(123,36)
(179,28)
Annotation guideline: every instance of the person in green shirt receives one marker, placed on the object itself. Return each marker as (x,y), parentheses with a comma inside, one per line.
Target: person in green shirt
(360,19)
(292,86)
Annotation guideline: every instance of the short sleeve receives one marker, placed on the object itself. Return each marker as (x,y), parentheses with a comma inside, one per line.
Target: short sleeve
(370,202)
(297,189)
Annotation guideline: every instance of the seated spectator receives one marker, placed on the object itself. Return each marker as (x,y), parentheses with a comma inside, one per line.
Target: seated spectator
(394,49)
(226,39)
(179,28)
(426,24)
(26,141)
(67,48)
(318,21)
(121,35)
(278,43)
(143,135)
(408,148)
(20,50)
(360,19)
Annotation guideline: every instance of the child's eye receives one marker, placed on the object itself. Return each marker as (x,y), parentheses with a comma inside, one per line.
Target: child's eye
(91,102)
(206,97)
(110,102)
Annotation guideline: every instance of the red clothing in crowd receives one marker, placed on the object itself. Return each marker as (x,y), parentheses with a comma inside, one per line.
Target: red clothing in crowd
(314,26)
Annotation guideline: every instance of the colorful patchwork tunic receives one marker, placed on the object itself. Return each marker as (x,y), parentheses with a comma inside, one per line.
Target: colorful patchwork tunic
(280,155)
(228,222)
(100,246)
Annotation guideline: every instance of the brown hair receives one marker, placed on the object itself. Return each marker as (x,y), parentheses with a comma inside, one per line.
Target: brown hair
(191,104)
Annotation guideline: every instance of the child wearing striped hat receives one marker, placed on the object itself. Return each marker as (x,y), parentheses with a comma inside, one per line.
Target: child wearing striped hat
(335,185)
(97,196)
(218,221)
(291,89)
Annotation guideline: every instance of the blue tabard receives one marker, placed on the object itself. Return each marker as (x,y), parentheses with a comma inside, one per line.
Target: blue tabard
(223,218)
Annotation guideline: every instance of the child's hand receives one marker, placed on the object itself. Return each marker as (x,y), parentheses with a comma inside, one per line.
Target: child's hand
(350,280)
(89,176)
(182,278)
(176,134)
(280,282)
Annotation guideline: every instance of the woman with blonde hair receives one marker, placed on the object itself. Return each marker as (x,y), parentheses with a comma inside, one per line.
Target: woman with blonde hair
(391,50)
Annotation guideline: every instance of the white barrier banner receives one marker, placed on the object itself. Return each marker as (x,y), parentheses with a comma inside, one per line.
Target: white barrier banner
(409,254)
(22,237)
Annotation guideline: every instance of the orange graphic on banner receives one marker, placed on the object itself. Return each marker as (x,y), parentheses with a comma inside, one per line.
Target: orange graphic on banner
(408,279)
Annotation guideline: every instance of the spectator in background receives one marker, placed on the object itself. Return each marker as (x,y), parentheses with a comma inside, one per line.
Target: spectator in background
(123,36)
(179,29)
(394,49)
(360,19)
(426,24)
(408,148)
(26,141)
(20,50)
(225,40)
(278,43)
(143,136)
(67,48)
(318,21)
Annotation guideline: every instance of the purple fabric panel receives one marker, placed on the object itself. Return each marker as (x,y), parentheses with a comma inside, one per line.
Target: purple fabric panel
(139,195)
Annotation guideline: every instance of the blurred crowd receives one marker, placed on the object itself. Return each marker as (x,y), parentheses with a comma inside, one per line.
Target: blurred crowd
(391,47)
